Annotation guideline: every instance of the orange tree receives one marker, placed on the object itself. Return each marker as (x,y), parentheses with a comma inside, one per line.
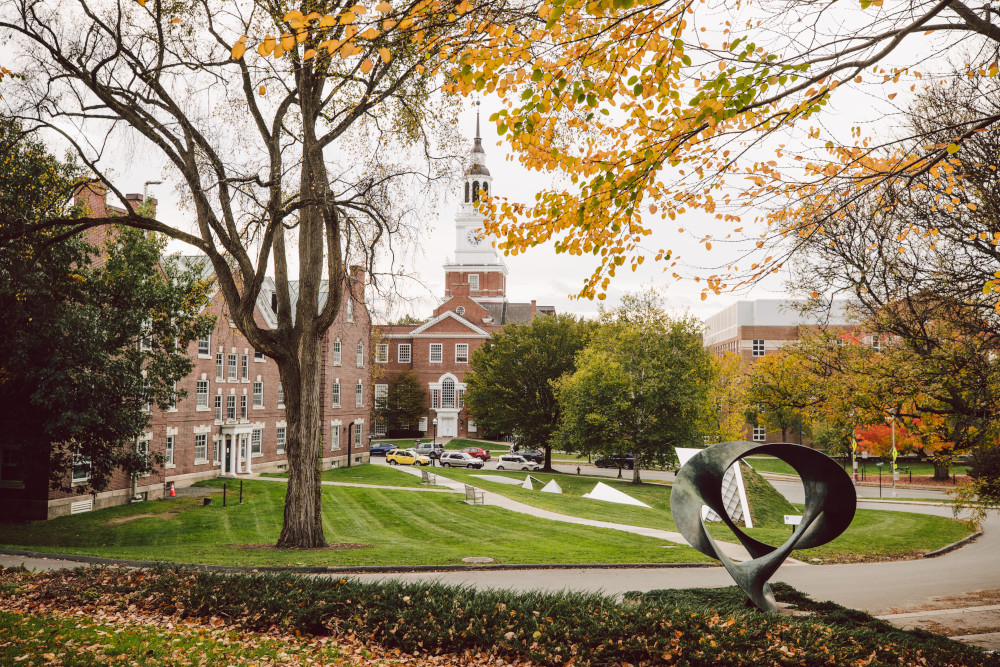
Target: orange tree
(297,134)
(653,109)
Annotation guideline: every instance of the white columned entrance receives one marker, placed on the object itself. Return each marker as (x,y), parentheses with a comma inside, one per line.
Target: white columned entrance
(235,448)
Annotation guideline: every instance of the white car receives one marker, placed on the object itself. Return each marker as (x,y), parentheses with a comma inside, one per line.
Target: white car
(460,460)
(515,462)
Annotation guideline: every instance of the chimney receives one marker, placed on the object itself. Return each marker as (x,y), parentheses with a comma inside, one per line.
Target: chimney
(358,277)
(134,198)
(534,310)
(93,197)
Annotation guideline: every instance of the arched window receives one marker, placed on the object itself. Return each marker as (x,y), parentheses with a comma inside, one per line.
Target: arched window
(466,192)
(486,188)
(447,393)
(475,190)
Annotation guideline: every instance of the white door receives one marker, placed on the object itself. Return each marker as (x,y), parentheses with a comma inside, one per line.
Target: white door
(448,426)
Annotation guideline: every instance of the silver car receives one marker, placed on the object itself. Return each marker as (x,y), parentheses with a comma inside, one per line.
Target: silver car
(515,462)
(460,460)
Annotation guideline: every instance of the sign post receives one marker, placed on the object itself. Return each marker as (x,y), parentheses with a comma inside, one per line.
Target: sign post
(854,458)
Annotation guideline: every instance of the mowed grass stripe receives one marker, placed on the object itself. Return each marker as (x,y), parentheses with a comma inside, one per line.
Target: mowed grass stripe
(402,528)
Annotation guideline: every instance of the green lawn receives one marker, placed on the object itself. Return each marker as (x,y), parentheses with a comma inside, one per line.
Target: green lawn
(874,535)
(367,474)
(401,527)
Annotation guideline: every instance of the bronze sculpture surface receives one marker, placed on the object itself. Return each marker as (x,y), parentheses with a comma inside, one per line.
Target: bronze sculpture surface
(829,509)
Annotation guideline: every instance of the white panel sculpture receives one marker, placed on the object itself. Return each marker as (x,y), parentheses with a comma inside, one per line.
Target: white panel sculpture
(611,495)
(551,487)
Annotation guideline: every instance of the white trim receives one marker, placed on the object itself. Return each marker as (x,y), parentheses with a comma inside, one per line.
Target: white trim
(442,335)
(440,318)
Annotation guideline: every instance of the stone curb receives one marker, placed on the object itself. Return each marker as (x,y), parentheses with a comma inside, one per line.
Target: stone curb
(954,545)
(359,569)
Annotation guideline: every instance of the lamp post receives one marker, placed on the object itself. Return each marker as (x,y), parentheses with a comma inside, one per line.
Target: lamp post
(434,442)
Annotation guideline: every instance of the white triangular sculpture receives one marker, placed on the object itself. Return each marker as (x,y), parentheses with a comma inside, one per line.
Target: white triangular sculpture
(611,495)
(734,494)
(527,484)
(551,487)
(499,479)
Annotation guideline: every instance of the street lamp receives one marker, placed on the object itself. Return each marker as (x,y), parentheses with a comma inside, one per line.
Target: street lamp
(434,443)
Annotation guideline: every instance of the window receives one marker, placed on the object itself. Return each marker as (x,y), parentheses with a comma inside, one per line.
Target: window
(461,353)
(258,355)
(357,436)
(437,353)
(381,396)
(243,406)
(216,450)
(232,367)
(205,346)
(255,447)
(473,281)
(281,439)
(359,395)
(10,464)
(350,309)
(381,429)
(245,367)
(361,355)
(281,396)
(81,467)
(759,434)
(145,393)
(382,353)
(218,407)
(146,339)
(403,353)
(460,310)
(230,407)
(876,343)
(142,449)
(336,353)
(258,394)
(201,447)
(219,375)
(172,399)
(435,401)
(448,393)
(335,438)
(461,399)
(168,451)
(336,394)
(757,348)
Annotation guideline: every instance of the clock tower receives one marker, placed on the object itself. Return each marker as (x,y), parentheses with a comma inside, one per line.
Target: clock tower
(476,263)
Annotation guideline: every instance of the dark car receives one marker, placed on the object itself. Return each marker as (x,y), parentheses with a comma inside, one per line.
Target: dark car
(536,455)
(478,452)
(381,448)
(626,461)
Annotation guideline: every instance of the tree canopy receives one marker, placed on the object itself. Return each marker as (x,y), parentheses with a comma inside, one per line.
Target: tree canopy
(639,387)
(510,387)
(93,334)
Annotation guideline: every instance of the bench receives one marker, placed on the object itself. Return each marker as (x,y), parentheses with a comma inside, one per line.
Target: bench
(474,496)
(427,478)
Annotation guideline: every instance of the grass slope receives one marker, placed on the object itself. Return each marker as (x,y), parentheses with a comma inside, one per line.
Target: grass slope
(767,507)
(367,474)
(399,527)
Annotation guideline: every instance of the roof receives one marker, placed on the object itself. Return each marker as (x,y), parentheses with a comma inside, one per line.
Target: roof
(505,312)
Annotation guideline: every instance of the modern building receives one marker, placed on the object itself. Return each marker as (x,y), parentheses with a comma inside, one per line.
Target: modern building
(232,421)
(473,308)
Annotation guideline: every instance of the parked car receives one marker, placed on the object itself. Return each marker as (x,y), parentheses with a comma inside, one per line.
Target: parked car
(626,461)
(406,457)
(478,452)
(430,449)
(514,462)
(460,460)
(381,448)
(536,455)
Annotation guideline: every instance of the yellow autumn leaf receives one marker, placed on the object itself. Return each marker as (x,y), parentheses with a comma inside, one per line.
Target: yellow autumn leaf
(288,41)
(294,15)
(175,20)
(310,53)
(370,33)
(367,65)
(142,3)
(261,90)
(953,148)
(266,47)
(348,17)
(384,54)
(383,7)
(328,21)
(971,206)
(239,48)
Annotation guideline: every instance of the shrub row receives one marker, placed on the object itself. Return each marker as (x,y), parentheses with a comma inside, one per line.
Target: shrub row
(691,627)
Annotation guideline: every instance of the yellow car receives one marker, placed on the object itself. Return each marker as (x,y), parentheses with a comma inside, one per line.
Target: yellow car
(406,457)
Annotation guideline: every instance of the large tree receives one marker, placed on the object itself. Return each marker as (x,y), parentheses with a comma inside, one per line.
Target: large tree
(94,333)
(640,386)
(510,386)
(298,134)
(711,109)
(405,402)
(778,393)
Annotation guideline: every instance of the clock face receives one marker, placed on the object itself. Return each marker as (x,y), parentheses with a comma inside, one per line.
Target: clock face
(473,238)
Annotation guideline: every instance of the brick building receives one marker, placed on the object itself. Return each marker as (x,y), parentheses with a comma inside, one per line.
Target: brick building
(232,421)
(474,306)
(753,329)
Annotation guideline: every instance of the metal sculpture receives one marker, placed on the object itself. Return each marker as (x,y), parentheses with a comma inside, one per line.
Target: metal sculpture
(829,509)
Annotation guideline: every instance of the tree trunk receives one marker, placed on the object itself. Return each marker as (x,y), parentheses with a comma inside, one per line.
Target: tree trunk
(635,473)
(941,470)
(303,525)
(547,467)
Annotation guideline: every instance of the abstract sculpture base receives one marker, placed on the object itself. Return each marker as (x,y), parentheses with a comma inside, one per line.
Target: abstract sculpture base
(829,509)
